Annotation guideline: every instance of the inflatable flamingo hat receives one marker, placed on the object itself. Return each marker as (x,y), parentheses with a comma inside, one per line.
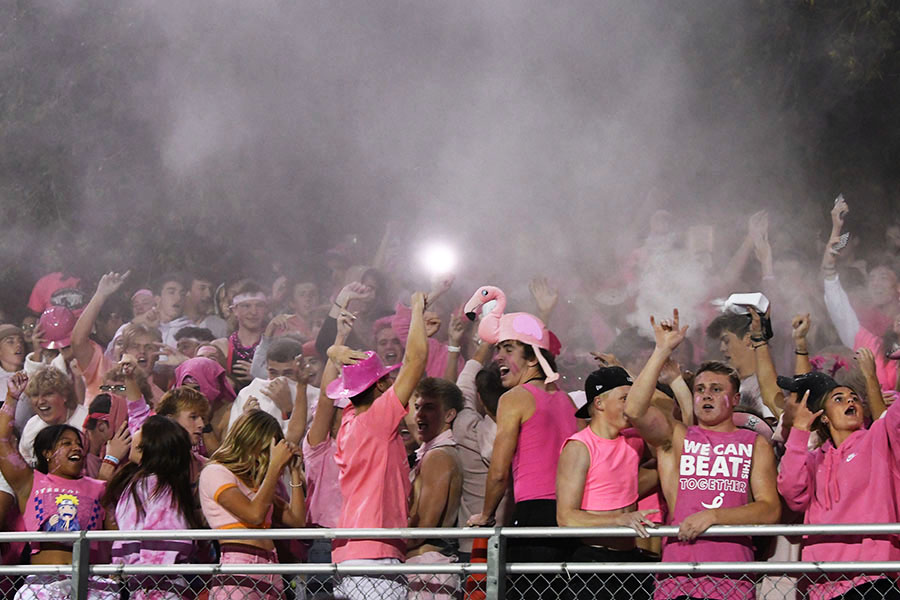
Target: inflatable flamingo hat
(496,327)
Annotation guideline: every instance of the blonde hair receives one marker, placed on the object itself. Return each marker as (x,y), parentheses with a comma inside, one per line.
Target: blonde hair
(182,398)
(245,450)
(48,380)
(134,330)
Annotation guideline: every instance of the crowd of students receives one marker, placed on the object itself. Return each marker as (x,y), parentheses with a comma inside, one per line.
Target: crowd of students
(306,403)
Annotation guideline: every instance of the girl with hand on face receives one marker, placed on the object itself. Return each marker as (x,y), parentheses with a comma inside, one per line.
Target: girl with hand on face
(153,491)
(852,478)
(52,496)
(237,491)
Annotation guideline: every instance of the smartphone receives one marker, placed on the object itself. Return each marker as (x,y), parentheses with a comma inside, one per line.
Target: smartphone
(840,244)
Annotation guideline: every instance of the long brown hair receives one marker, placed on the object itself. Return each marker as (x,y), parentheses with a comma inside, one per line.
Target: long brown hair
(245,450)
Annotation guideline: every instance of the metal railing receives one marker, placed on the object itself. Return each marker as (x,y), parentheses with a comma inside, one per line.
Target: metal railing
(494,575)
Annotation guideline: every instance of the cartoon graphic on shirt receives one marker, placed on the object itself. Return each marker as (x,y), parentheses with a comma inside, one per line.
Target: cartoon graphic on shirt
(66,517)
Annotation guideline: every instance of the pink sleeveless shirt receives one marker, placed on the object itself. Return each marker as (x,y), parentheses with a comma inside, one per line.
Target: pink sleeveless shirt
(714,472)
(540,438)
(612,478)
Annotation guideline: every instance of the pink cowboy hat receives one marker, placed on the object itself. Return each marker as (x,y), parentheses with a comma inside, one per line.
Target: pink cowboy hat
(357,378)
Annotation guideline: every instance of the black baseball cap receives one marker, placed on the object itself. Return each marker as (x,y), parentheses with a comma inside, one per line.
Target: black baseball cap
(599,382)
(818,384)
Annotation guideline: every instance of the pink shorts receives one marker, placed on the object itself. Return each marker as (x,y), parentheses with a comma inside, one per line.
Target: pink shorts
(246,587)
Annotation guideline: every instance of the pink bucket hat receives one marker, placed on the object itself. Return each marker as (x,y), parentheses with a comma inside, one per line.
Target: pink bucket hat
(357,378)
(496,327)
(57,323)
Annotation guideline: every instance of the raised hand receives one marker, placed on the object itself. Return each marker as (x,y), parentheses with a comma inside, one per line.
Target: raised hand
(803,418)
(276,325)
(432,323)
(354,291)
(670,372)
(839,212)
(606,359)
(545,295)
(342,355)
(458,326)
(110,283)
(758,226)
(417,303)
(865,358)
(16,384)
(345,324)
(281,453)
(668,332)
(800,327)
(120,444)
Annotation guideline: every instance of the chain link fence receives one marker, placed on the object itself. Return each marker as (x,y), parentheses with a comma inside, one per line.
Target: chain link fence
(495,578)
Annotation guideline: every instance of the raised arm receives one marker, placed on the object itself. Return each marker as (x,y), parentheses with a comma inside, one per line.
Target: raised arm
(253,512)
(82,351)
(865,358)
(296,427)
(799,331)
(772,395)
(416,354)
(338,355)
(671,375)
(545,296)
(457,329)
(18,475)
(796,477)
(655,427)
(836,301)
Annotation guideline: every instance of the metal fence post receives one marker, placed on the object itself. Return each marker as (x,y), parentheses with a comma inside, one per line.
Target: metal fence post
(496,567)
(81,565)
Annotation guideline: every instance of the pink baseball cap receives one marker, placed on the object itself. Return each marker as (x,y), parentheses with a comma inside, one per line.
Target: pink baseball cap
(357,378)
(57,323)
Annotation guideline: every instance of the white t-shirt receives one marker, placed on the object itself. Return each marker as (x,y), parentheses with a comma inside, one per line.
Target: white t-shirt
(751,396)
(266,404)
(34,426)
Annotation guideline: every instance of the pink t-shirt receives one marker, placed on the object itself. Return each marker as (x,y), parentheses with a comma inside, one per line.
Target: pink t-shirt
(612,478)
(60,504)
(534,463)
(39,301)
(215,479)
(160,512)
(94,371)
(323,499)
(714,472)
(374,478)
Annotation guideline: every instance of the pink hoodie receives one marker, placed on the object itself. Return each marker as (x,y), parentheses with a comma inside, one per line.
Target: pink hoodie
(858,482)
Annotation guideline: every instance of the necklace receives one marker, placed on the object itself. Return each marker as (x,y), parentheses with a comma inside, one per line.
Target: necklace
(240,351)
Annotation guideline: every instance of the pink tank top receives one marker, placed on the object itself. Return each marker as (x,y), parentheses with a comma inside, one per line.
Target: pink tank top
(540,438)
(612,478)
(714,472)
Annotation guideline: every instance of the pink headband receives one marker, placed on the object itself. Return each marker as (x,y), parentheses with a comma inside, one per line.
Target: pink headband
(241,298)
(142,292)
